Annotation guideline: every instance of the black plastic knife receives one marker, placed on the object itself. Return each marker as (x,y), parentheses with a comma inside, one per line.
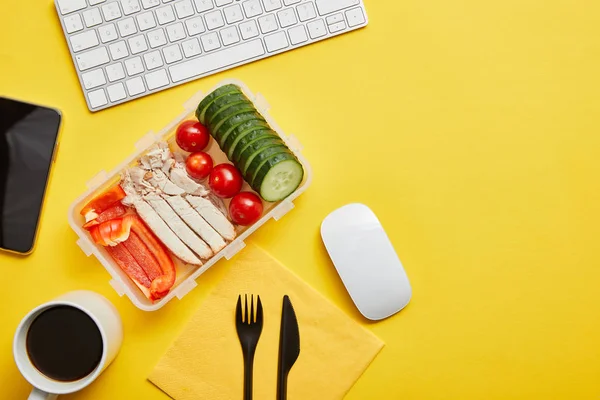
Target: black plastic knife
(289,346)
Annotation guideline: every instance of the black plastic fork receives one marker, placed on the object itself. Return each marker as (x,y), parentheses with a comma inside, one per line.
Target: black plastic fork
(248,330)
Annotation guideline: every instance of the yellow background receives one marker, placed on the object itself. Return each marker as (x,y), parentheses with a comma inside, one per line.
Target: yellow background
(470,127)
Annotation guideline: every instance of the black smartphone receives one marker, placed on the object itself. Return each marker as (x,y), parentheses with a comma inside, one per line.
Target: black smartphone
(28,142)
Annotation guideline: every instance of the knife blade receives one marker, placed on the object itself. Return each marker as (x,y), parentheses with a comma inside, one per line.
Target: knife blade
(289,346)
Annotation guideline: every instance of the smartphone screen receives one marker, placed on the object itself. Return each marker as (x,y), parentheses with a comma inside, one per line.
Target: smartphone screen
(28,135)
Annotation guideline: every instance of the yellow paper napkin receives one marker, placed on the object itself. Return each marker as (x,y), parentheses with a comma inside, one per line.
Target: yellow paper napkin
(206,362)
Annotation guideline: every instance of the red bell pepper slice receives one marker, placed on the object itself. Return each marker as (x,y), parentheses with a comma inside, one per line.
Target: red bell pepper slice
(129,265)
(162,284)
(115,211)
(143,256)
(102,202)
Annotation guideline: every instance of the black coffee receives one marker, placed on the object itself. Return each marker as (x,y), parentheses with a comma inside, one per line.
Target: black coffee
(64,343)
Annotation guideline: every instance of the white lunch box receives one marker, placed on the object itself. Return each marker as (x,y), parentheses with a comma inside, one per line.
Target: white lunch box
(186,274)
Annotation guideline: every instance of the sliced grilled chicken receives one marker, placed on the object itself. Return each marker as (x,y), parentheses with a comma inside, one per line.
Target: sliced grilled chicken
(160,180)
(180,177)
(213,216)
(196,222)
(183,231)
(156,156)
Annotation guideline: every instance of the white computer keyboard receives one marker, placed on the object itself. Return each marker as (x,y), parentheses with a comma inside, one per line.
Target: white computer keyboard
(125,49)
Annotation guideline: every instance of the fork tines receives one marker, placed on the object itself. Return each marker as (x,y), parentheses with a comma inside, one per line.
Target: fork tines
(255,317)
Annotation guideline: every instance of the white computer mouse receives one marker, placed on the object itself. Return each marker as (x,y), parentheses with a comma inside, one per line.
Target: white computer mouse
(366,261)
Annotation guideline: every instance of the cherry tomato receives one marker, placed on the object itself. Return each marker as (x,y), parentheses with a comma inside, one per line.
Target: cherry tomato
(199,165)
(225,180)
(192,136)
(245,208)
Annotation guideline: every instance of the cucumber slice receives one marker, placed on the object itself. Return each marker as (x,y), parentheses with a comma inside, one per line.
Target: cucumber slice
(225,109)
(221,102)
(201,109)
(234,122)
(250,138)
(232,140)
(255,148)
(230,113)
(253,163)
(279,177)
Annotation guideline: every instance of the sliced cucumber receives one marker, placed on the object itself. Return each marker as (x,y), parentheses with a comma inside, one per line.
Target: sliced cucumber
(230,113)
(279,177)
(222,102)
(245,129)
(207,101)
(234,122)
(249,139)
(253,163)
(227,109)
(252,151)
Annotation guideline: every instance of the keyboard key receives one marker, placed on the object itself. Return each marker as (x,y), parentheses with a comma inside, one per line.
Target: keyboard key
(252,8)
(93,79)
(338,26)
(146,21)
(84,41)
(135,86)
(172,54)
(355,17)
(233,14)
(157,38)
(290,2)
(94,2)
(153,60)
(175,32)
(230,35)
(191,47)
(316,29)
(165,15)
(214,20)
(276,41)
(97,98)
(167,1)
(92,17)
(268,23)
(134,66)
(203,5)
(116,92)
(271,5)
(220,3)
(297,35)
(335,18)
(210,41)
(92,58)
(329,6)
(108,33)
(111,11)
(68,6)
(115,72)
(195,26)
(150,3)
(138,44)
(306,11)
(157,79)
(118,50)
(287,17)
(249,29)
(217,60)
(73,23)
(184,9)
(126,27)
(130,6)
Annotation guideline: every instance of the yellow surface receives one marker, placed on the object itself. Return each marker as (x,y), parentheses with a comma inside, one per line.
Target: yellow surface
(471,129)
(207,363)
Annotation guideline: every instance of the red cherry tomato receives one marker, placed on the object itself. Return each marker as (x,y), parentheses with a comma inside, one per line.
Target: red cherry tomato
(245,208)
(199,165)
(225,180)
(192,136)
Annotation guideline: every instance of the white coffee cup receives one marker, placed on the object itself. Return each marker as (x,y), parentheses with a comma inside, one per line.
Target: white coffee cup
(108,321)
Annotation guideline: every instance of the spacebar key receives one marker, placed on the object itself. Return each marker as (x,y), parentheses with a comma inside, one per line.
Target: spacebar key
(217,60)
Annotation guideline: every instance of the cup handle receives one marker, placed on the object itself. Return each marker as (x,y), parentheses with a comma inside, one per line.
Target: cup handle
(37,394)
